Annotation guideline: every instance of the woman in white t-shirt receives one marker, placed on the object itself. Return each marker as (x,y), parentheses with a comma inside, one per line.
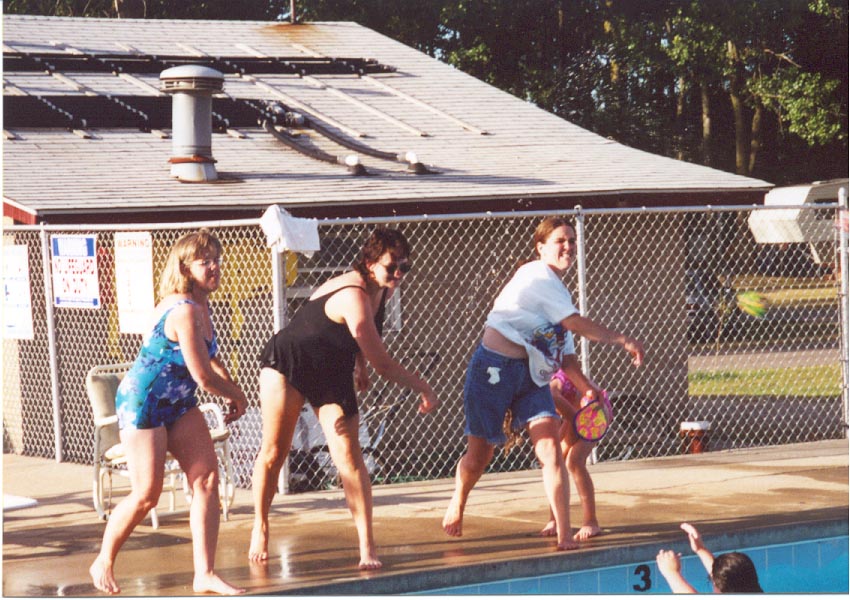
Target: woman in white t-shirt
(525,339)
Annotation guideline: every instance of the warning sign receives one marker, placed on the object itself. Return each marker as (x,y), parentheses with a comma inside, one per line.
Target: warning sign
(134,280)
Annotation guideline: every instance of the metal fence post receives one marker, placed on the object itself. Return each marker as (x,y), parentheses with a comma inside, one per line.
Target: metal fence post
(581,269)
(279,308)
(51,343)
(843,222)
(278,290)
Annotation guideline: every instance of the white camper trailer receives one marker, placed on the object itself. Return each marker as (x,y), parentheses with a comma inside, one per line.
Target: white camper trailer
(795,225)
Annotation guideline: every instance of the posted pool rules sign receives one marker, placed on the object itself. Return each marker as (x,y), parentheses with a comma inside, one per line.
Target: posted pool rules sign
(134,280)
(74,263)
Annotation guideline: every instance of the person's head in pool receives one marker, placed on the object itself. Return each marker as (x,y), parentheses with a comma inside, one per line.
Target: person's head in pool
(730,573)
(735,573)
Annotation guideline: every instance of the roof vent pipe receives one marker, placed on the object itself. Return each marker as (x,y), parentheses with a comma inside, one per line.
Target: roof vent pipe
(191,120)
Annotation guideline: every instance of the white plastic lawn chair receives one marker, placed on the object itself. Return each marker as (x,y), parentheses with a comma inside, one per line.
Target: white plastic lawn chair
(109,459)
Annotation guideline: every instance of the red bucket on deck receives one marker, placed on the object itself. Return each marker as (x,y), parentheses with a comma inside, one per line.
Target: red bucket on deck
(695,436)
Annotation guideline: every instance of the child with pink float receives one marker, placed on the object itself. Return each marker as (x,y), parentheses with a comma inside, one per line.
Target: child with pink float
(586,412)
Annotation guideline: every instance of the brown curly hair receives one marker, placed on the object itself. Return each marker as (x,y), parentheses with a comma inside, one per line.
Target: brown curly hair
(381,241)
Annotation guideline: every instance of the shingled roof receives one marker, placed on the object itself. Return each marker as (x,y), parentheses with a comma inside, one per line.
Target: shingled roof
(87,129)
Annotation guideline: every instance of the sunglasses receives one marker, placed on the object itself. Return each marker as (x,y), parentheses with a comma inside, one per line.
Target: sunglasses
(394,268)
(209,262)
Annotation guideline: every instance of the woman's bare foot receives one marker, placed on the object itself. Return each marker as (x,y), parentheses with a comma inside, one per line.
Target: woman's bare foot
(550,530)
(102,576)
(369,557)
(370,563)
(586,532)
(258,551)
(568,545)
(210,583)
(453,520)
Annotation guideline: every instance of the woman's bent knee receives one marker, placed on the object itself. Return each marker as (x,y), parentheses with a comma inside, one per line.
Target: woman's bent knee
(350,470)
(348,460)
(145,501)
(475,462)
(206,483)
(271,455)
(548,452)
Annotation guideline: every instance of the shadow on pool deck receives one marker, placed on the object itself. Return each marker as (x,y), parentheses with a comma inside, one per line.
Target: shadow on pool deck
(761,495)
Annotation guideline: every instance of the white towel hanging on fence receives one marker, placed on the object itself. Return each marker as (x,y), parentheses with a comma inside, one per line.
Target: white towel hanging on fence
(285,232)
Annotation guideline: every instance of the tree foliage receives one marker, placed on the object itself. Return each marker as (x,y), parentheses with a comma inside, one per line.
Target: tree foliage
(60,8)
(759,87)
(152,9)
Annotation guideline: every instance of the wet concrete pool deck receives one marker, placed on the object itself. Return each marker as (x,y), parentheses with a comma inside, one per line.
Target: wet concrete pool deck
(770,495)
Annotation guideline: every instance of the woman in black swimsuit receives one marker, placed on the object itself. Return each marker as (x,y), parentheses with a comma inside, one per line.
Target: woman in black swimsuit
(320,356)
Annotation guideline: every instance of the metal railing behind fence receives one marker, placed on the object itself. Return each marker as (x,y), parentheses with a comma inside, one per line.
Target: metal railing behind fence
(670,277)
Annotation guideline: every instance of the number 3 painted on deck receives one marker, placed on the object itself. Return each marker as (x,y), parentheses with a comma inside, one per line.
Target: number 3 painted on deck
(643,571)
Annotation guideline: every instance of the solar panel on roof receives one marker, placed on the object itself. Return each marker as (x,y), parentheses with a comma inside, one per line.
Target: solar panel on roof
(34,111)
(137,112)
(148,64)
(83,112)
(150,112)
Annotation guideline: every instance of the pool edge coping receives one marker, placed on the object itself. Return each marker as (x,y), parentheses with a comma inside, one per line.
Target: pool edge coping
(563,562)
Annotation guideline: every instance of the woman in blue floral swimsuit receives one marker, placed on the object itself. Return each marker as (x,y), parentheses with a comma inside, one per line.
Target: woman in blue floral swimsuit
(157,411)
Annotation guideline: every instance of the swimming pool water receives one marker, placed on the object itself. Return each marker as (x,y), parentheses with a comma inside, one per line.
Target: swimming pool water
(812,566)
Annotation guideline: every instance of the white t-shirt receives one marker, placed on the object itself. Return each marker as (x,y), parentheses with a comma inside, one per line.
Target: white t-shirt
(528,311)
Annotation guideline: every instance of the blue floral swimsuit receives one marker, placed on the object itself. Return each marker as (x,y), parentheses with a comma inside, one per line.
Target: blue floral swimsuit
(158,389)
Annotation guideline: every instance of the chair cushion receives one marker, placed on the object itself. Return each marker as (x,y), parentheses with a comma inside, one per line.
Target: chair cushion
(101,391)
(219,434)
(115,453)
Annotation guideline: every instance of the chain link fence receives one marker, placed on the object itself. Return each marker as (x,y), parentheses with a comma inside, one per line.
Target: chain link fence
(670,277)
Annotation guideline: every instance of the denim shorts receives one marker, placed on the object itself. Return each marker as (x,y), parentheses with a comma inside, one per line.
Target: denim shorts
(495,383)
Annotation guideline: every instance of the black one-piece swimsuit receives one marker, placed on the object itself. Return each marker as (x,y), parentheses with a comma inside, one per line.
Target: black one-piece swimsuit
(317,355)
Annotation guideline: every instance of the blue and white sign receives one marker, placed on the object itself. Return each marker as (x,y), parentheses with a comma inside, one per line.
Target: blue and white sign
(74,263)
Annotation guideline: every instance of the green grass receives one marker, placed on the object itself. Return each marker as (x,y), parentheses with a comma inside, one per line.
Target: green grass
(819,381)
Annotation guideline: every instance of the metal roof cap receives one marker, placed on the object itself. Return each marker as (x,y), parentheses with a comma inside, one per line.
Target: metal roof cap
(187,78)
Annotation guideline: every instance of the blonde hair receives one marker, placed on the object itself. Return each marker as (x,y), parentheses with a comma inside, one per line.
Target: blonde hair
(192,246)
